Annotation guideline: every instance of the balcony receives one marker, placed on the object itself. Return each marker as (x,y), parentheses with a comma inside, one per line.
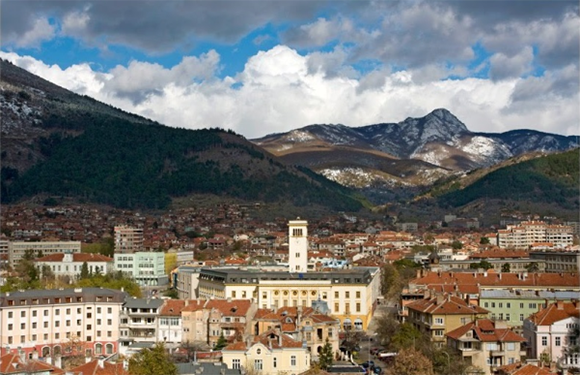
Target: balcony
(497,353)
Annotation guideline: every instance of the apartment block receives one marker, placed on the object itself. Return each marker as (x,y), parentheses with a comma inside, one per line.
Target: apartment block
(146,268)
(46,322)
(527,233)
(16,250)
(128,239)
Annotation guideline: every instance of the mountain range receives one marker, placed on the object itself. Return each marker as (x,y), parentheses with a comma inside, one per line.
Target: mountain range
(414,152)
(57,144)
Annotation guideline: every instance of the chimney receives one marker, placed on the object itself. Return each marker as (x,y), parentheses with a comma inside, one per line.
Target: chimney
(57,361)
(440,299)
(560,305)
(101,362)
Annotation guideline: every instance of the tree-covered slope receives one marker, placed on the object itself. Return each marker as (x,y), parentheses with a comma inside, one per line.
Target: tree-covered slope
(551,179)
(60,144)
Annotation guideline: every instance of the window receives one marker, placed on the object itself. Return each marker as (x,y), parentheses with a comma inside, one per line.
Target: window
(57,312)
(347,294)
(508,305)
(493,304)
(258,364)
(347,307)
(439,321)
(67,311)
(99,321)
(358,307)
(10,314)
(45,312)
(336,307)
(500,305)
(23,314)
(109,310)
(22,325)
(45,337)
(507,317)
(439,333)
(109,322)
(98,310)
(558,341)
(335,294)
(33,325)
(293,361)
(109,333)
(521,317)
(274,362)
(358,294)
(10,327)
(22,339)
(486,304)
(57,323)
(544,340)
(10,340)
(236,364)
(98,333)
(511,346)
(68,323)
(99,349)
(297,255)
(34,312)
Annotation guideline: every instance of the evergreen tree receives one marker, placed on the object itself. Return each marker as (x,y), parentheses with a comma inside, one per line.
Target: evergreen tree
(85,271)
(154,361)
(221,343)
(326,356)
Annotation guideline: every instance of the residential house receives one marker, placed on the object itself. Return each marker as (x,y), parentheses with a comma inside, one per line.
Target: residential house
(520,368)
(441,314)
(553,331)
(302,324)
(232,318)
(169,327)
(100,367)
(486,345)
(71,264)
(14,364)
(138,323)
(269,353)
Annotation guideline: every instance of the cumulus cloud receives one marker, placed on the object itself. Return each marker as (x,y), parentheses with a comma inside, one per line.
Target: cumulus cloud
(39,31)
(502,66)
(276,91)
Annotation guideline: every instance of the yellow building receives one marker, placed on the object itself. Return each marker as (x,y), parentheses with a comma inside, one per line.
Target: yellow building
(350,294)
(271,353)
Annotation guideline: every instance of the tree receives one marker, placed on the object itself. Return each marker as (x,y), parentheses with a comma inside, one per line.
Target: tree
(505,267)
(221,342)
(407,336)
(411,362)
(484,241)
(484,264)
(532,267)
(456,245)
(154,361)
(326,356)
(85,271)
(391,282)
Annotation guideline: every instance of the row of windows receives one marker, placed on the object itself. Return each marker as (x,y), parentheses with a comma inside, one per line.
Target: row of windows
(346,307)
(259,363)
(45,337)
(34,313)
(34,325)
(531,305)
(57,300)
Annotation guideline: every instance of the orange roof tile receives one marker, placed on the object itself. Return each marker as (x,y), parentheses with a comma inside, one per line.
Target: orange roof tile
(555,312)
(94,368)
(447,305)
(519,368)
(77,257)
(172,307)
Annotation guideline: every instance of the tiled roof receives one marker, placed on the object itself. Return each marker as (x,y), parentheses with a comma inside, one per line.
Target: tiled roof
(236,307)
(555,312)
(172,307)
(502,279)
(11,364)
(485,331)
(77,257)
(94,368)
(445,305)
(193,305)
(500,253)
(523,369)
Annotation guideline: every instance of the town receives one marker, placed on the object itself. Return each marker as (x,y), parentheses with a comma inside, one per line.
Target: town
(216,290)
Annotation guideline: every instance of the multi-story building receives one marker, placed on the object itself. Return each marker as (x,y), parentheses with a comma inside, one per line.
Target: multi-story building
(559,261)
(552,331)
(71,264)
(16,250)
(515,306)
(302,324)
(269,353)
(169,324)
(146,268)
(350,294)
(527,233)
(230,318)
(49,322)
(138,323)
(128,239)
(298,245)
(486,345)
(436,316)
(185,280)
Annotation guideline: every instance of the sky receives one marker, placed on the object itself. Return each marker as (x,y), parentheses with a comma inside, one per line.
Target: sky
(262,67)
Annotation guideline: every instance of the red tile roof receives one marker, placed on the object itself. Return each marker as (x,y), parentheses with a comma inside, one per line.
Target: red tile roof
(270,339)
(93,368)
(236,307)
(523,369)
(12,364)
(77,257)
(485,331)
(445,305)
(172,307)
(555,312)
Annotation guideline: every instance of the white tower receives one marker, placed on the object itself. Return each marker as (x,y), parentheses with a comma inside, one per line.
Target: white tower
(298,245)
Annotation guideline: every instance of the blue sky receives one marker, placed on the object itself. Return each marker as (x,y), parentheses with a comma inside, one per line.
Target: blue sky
(259,67)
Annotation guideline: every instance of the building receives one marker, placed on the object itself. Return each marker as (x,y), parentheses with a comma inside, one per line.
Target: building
(559,261)
(526,233)
(169,323)
(185,280)
(298,245)
(270,353)
(16,250)
(302,324)
(14,364)
(47,322)
(350,294)
(486,344)
(128,240)
(146,268)
(71,264)
(514,306)
(230,318)
(552,331)
(138,323)
(438,315)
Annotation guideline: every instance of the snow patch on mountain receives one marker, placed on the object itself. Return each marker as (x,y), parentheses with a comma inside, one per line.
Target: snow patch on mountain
(299,136)
(433,156)
(486,150)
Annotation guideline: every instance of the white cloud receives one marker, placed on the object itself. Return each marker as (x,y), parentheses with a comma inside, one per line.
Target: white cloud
(503,66)
(278,92)
(41,30)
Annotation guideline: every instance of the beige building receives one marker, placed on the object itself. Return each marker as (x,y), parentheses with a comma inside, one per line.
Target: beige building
(271,353)
(527,233)
(16,250)
(350,294)
(47,322)
(486,345)
(128,239)
(71,264)
(436,316)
